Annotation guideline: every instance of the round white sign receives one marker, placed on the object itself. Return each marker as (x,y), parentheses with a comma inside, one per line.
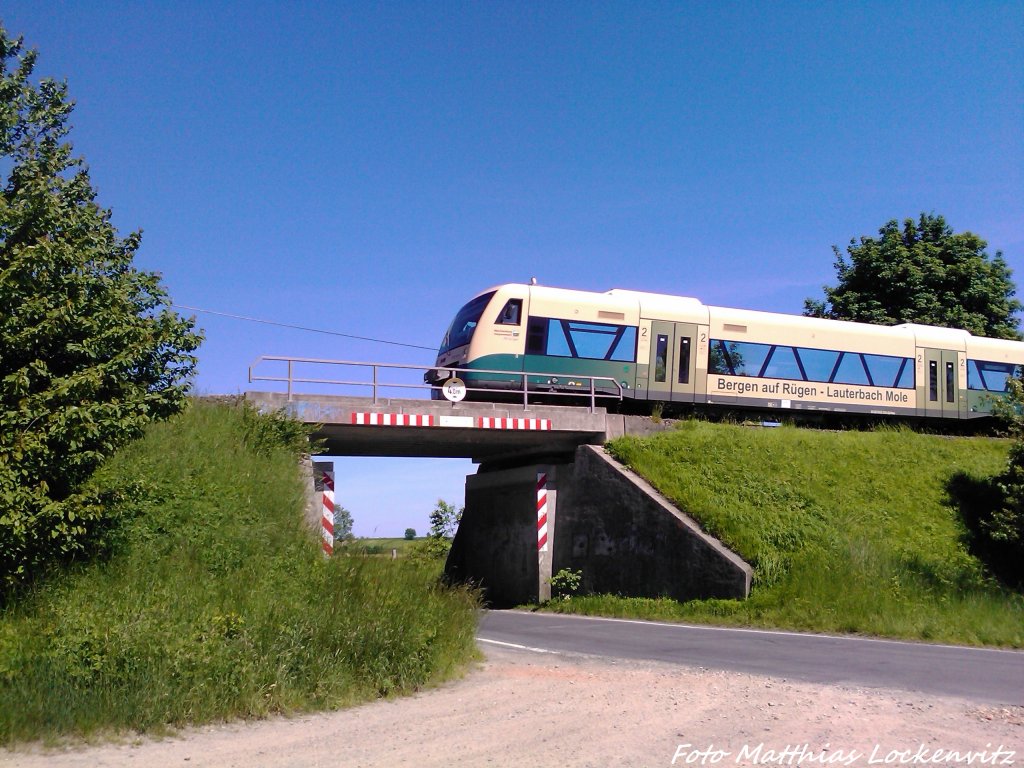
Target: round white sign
(454,389)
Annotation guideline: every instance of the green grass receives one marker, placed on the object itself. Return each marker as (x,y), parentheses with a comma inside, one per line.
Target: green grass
(847,531)
(215,603)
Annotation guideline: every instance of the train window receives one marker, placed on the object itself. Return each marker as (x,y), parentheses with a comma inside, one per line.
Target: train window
(950,387)
(933,381)
(989,376)
(593,340)
(661,358)
(905,379)
(818,364)
(720,356)
(885,371)
(559,344)
(851,370)
(511,313)
(743,358)
(536,336)
(625,350)
(783,364)
(462,327)
(684,360)
(738,358)
(569,338)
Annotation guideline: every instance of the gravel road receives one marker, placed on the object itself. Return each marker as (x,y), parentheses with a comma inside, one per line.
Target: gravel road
(520,708)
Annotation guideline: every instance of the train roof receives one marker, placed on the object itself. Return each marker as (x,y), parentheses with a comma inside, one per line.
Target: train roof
(646,298)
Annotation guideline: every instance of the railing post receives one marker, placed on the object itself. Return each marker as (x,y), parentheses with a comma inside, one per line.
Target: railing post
(289,381)
(374,383)
(593,395)
(526,394)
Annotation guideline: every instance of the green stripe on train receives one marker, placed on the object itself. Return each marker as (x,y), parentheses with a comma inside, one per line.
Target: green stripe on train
(565,369)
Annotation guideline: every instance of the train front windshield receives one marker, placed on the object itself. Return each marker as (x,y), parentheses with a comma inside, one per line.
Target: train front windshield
(462,327)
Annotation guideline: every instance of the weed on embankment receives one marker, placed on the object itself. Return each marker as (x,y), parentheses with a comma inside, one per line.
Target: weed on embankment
(847,531)
(214,601)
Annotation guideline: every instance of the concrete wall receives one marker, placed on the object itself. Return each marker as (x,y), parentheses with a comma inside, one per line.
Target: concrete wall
(607,523)
(627,539)
(496,543)
(617,425)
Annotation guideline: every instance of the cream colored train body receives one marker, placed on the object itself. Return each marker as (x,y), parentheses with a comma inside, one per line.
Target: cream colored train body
(671,349)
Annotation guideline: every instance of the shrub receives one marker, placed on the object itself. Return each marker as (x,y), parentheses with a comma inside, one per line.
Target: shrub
(566,583)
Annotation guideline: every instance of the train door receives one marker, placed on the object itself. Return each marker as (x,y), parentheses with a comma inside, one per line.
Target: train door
(672,361)
(938,383)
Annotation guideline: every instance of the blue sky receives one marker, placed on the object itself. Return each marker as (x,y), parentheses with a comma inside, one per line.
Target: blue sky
(367,167)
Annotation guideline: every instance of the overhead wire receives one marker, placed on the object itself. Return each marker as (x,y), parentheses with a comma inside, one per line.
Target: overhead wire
(302,327)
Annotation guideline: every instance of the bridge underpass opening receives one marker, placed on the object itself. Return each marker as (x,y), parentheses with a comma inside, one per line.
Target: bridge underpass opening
(386,495)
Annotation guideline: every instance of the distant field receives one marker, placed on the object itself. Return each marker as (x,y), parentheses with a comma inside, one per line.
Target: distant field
(372,546)
(847,531)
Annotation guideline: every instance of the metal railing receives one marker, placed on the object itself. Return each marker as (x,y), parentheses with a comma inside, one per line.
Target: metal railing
(375,383)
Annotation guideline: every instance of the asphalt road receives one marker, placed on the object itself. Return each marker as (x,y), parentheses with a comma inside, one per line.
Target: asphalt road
(979,674)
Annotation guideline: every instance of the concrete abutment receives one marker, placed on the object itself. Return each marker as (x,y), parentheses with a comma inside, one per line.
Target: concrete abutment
(603,521)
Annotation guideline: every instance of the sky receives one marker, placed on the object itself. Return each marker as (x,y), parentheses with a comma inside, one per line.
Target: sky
(365,168)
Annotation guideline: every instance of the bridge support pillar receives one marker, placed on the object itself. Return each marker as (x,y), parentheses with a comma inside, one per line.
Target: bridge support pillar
(506,539)
(610,526)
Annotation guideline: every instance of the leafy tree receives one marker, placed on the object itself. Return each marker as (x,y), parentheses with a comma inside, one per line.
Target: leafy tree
(342,524)
(922,273)
(444,520)
(410,534)
(438,543)
(90,352)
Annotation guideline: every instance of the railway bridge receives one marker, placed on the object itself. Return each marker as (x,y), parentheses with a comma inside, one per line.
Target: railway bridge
(545,497)
(483,432)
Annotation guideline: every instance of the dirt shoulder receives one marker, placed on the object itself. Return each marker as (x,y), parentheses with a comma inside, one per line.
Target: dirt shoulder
(525,709)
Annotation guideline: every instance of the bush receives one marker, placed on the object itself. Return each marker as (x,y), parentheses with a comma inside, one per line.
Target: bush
(566,583)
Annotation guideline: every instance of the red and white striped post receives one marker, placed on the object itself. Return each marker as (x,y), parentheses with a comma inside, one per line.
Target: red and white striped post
(546,508)
(542,512)
(327,519)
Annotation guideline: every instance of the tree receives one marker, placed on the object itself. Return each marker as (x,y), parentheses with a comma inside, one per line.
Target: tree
(342,524)
(438,543)
(410,534)
(90,352)
(922,273)
(444,520)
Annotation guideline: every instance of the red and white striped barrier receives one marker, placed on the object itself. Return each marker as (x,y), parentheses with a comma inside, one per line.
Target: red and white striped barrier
(465,422)
(327,521)
(492,422)
(393,419)
(542,512)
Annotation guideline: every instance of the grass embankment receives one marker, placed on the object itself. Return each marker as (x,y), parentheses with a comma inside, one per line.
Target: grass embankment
(847,532)
(215,602)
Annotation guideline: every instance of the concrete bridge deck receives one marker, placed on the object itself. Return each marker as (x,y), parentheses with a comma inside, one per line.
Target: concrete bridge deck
(359,426)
